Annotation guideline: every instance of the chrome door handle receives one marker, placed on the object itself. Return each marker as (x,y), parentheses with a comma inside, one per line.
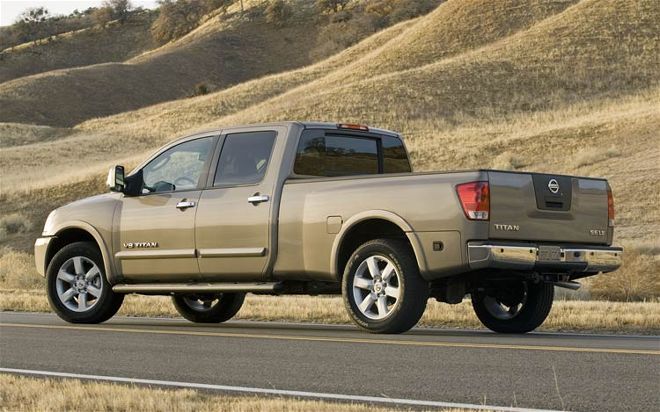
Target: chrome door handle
(257,198)
(185,204)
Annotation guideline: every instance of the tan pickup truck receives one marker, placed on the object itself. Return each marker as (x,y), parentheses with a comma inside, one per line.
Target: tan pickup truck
(319,208)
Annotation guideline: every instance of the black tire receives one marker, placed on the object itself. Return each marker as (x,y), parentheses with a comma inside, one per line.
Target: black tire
(413,292)
(103,307)
(227,305)
(533,309)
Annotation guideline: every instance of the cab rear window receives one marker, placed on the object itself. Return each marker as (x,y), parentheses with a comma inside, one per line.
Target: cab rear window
(321,153)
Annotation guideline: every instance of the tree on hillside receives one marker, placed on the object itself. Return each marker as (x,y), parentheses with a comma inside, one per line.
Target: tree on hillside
(31,24)
(121,9)
(102,16)
(175,19)
(113,10)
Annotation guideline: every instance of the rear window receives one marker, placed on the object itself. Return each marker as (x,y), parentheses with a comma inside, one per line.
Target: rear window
(321,154)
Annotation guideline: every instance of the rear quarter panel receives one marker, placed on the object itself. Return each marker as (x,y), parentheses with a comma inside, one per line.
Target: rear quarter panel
(424,205)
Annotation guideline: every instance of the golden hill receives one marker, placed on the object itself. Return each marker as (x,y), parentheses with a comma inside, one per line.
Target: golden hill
(565,86)
(221,52)
(115,43)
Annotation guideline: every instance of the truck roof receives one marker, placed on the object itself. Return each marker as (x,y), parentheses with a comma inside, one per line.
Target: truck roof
(306,125)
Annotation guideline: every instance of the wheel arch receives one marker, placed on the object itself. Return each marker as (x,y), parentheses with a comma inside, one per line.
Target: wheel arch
(79,232)
(367,226)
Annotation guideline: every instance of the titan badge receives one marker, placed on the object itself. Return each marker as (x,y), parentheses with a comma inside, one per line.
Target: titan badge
(140,245)
(507,228)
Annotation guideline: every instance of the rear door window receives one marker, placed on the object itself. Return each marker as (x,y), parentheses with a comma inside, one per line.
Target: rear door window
(244,158)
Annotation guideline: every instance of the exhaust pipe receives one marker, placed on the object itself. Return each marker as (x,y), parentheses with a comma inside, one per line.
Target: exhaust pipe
(568,285)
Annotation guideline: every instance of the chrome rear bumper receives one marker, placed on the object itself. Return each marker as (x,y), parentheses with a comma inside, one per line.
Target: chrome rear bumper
(530,256)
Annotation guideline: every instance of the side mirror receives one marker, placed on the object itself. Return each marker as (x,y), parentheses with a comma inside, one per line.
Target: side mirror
(115,180)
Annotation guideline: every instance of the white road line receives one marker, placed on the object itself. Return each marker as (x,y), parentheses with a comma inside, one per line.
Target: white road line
(278,392)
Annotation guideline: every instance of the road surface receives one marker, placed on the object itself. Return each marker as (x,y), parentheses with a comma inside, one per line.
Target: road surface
(538,370)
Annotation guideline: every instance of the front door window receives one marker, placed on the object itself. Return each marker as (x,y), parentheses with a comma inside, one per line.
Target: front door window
(178,168)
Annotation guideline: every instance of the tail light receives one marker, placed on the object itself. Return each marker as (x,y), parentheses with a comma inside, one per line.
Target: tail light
(610,207)
(475,199)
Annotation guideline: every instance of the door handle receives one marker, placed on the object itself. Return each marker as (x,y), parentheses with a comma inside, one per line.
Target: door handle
(185,204)
(257,198)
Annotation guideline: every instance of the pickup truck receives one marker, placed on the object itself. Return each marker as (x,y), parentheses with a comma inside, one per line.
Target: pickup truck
(321,208)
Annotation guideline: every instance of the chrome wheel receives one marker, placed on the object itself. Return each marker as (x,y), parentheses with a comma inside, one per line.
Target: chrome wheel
(79,284)
(376,287)
(201,303)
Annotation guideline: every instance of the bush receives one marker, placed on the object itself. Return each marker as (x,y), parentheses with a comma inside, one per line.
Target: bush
(331,6)
(201,89)
(637,279)
(278,12)
(14,223)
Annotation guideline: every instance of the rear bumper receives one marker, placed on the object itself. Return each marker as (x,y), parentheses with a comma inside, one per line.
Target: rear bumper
(547,258)
(40,251)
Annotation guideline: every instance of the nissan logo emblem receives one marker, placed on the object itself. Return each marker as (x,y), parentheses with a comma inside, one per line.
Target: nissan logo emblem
(553,186)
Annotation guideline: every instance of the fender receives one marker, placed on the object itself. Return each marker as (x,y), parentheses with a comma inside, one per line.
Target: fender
(383,215)
(107,262)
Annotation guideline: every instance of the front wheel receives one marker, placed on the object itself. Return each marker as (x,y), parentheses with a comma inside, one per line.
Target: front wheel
(206,308)
(76,285)
(382,289)
(514,307)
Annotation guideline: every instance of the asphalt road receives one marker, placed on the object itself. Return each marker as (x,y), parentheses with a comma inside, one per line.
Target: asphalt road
(539,370)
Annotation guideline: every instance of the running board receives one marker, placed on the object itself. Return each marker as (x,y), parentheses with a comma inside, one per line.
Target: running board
(172,288)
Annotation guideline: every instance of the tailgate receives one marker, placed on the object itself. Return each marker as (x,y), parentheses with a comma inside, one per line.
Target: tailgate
(553,208)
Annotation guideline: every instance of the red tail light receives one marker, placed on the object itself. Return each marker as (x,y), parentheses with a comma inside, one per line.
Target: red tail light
(610,207)
(475,199)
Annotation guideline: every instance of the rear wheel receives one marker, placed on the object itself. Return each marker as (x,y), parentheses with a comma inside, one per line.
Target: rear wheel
(382,289)
(76,285)
(515,307)
(208,308)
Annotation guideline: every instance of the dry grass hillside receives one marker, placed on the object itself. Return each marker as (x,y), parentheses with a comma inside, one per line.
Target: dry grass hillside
(115,43)
(557,86)
(225,50)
